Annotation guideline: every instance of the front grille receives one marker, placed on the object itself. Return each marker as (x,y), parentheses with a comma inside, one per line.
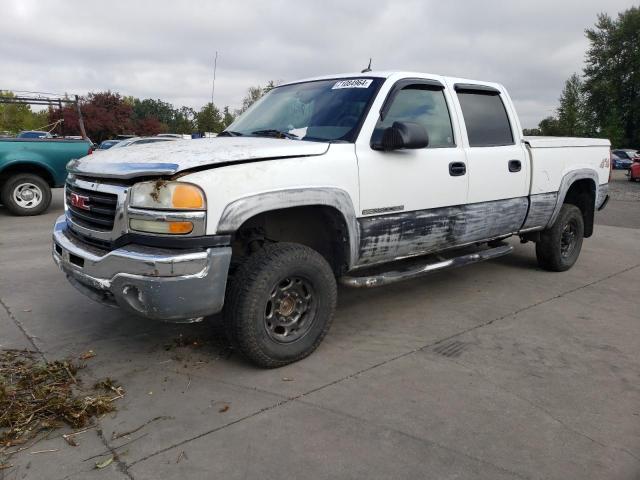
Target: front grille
(101,244)
(100,209)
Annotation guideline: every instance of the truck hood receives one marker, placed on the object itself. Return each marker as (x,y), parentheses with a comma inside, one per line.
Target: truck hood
(169,158)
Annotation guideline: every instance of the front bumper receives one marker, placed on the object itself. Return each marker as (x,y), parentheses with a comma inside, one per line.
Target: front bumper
(157,283)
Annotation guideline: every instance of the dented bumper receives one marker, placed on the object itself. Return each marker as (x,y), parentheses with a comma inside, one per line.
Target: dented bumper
(157,283)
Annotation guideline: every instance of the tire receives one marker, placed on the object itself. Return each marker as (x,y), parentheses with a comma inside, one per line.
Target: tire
(280,304)
(26,194)
(559,246)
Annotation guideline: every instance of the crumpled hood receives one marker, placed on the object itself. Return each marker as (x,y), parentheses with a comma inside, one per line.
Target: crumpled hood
(169,158)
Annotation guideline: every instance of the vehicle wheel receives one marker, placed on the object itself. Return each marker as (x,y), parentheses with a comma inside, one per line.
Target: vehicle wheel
(280,304)
(26,194)
(559,246)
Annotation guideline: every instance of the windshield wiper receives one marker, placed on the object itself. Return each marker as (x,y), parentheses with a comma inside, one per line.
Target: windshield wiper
(229,133)
(275,133)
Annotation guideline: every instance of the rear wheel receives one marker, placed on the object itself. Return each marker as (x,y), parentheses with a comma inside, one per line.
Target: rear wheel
(280,304)
(26,194)
(559,246)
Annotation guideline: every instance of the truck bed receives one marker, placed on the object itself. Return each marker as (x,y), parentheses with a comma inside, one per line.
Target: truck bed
(553,157)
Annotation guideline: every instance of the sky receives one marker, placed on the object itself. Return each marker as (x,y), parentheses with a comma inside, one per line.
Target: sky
(165,49)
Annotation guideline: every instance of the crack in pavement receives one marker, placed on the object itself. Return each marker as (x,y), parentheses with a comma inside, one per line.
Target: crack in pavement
(121,465)
(377,365)
(20,327)
(427,441)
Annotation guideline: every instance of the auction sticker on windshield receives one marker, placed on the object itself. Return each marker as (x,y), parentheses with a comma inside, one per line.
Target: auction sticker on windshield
(353,83)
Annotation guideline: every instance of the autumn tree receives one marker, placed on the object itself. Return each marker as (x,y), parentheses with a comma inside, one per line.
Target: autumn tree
(105,115)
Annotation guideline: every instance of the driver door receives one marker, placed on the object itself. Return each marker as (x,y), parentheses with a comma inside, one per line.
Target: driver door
(408,198)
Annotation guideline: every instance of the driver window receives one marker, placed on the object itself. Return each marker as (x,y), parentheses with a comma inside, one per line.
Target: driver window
(420,104)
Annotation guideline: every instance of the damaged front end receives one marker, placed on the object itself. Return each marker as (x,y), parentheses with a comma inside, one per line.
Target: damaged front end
(142,247)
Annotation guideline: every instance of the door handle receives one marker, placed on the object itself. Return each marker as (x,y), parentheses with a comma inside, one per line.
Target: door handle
(515,166)
(457,169)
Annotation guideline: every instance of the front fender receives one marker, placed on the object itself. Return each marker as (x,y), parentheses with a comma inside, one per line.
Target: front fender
(241,210)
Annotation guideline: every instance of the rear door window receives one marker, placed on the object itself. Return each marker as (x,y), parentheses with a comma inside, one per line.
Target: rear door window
(486,118)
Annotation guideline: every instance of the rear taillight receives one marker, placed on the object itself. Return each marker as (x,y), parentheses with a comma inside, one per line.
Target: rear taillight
(90,151)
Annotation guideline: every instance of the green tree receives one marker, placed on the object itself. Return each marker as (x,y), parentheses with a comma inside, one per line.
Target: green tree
(227,117)
(209,119)
(184,120)
(612,78)
(17,117)
(550,127)
(571,112)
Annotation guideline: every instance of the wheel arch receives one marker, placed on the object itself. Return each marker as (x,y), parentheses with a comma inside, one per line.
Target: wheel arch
(334,202)
(580,188)
(18,167)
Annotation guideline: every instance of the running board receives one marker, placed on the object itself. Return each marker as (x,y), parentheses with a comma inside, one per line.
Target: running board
(393,276)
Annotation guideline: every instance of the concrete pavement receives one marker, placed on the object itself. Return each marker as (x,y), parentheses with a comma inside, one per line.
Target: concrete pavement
(498,370)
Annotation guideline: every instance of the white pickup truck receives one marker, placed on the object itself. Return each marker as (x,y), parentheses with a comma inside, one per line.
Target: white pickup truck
(362,179)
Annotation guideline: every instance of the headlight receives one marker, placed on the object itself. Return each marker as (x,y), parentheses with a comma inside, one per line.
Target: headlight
(165,195)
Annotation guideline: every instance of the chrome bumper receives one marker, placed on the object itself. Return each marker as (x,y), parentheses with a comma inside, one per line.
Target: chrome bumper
(161,284)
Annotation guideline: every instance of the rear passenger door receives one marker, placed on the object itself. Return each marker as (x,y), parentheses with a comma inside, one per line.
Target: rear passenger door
(498,164)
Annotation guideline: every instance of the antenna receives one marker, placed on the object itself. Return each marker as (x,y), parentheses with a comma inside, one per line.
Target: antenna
(368,69)
(213,86)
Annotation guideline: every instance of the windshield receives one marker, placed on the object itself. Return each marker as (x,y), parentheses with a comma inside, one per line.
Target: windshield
(325,110)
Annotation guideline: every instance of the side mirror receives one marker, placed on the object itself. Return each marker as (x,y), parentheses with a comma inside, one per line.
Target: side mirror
(401,135)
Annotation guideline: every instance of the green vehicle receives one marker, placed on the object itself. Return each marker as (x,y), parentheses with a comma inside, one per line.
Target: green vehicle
(30,167)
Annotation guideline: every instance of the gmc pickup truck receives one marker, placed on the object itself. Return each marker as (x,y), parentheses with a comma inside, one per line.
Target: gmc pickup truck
(363,179)
(30,167)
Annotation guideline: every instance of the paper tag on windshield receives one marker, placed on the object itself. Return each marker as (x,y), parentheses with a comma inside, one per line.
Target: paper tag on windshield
(353,83)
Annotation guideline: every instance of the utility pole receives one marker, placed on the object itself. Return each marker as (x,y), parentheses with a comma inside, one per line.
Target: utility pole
(213,86)
(80,119)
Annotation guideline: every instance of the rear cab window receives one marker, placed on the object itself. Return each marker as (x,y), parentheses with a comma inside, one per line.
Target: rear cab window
(485,116)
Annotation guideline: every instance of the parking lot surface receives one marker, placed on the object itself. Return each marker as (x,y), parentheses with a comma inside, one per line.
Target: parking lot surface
(498,370)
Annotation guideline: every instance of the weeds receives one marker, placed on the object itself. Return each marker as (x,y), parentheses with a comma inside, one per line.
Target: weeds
(38,396)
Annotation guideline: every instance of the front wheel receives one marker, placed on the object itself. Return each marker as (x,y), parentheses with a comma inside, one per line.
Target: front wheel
(280,304)
(559,246)
(26,194)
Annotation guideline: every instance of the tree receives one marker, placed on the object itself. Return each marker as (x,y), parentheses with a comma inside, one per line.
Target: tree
(227,117)
(163,112)
(105,115)
(184,120)
(531,132)
(550,127)
(253,95)
(571,112)
(209,119)
(612,77)
(150,126)
(17,117)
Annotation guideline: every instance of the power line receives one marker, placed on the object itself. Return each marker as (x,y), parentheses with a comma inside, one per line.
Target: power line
(30,91)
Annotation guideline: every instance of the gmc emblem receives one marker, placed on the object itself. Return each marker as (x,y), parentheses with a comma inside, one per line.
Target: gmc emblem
(79,201)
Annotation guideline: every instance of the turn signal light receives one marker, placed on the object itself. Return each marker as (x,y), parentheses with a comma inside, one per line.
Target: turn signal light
(158,226)
(187,196)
